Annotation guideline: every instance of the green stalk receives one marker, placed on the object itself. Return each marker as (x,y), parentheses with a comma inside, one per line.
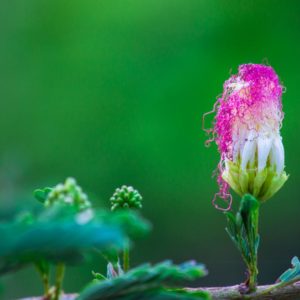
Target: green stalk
(45,279)
(253,269)
(243,231)
(253,272)
(43,270)
(126,257)
(60,272)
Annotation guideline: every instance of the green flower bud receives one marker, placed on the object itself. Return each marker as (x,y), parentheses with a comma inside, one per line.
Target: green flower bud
(126,197)
(68,193)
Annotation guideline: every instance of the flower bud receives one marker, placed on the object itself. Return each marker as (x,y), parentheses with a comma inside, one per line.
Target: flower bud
(247,131)
(68,193)
(126,197)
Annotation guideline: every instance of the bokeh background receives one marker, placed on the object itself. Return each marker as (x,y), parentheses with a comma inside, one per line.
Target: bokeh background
(112,92)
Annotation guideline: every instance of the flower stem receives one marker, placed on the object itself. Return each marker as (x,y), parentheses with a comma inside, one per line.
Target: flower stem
(60,272)
(253,270)
(253,279)
(126,257)
(243,231)
(43,270)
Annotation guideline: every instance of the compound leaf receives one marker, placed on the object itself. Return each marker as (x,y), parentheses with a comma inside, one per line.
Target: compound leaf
(147,282)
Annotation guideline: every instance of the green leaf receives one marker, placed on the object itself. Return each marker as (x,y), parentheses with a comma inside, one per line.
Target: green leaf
(147,282)
(242,228)
(98,276)
(129,221)
(43,267)
(248,210)
(292,274)
(249,204)
(60,235)
(111,255)
(257,241)
(232,226)
(42,194)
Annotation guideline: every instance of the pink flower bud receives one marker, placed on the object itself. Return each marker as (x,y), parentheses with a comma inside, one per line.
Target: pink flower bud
(247,131)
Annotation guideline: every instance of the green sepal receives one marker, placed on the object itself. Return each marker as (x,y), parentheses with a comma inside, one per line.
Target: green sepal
(275,184)
(231,176)
(244,180)
(258,181)
(261,184)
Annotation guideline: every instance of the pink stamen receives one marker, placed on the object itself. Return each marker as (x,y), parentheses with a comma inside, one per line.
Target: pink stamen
(227,200)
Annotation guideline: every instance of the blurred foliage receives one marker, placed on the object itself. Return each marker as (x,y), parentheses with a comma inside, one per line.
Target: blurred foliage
(60,235)
(148,283)
(112,92)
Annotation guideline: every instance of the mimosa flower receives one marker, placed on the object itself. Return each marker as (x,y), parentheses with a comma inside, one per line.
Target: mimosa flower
(126,197)
(247,131)
(69,193)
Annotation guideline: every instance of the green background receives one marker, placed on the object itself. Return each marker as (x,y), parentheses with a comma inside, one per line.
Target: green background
(112,92)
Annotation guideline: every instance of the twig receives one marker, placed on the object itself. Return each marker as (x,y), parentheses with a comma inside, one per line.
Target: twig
(264,292)
(62,297)
(291,292)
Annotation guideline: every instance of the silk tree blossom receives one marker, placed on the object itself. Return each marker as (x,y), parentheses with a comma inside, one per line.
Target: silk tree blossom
(247,132)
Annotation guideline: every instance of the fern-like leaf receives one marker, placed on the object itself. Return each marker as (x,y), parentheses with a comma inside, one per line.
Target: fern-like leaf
(148,283)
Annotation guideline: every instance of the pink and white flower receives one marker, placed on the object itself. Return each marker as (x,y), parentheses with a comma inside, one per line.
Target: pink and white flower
(247,132)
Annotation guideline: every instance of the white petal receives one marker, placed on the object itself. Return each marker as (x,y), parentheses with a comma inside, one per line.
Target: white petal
(277,154)
(248,152)
(235,150)
(263,150)
(239,140)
